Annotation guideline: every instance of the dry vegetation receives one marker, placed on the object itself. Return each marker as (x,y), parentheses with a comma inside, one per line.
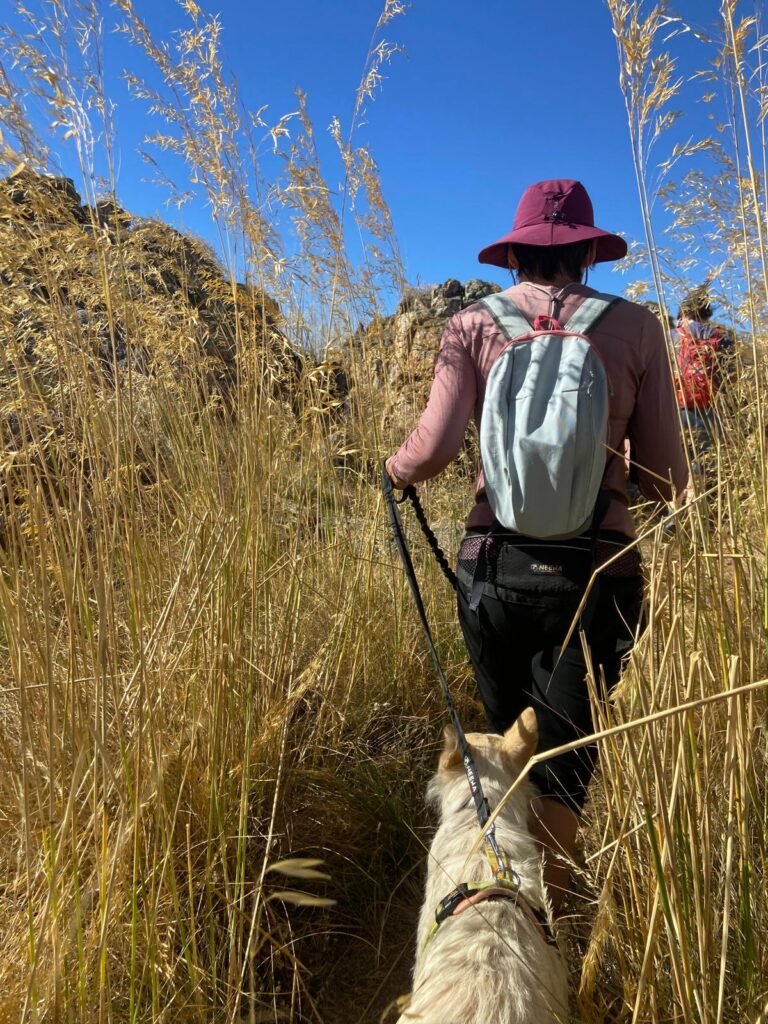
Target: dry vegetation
(216,714)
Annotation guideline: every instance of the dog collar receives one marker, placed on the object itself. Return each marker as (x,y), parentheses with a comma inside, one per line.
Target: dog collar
(469,894)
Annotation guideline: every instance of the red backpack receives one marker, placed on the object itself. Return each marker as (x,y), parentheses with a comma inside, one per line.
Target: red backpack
(698,359)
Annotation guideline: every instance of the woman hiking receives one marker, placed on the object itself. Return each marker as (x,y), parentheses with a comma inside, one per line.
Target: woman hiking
(518,594)
(704,363)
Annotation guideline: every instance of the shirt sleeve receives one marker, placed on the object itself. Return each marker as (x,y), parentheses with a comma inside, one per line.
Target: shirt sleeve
(654,428)
(437,438)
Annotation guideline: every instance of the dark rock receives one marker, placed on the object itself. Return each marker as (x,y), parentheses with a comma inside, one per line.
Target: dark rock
(450,289)
(44,200)
(111,216)
(446,307)
(475,290)
(443,301)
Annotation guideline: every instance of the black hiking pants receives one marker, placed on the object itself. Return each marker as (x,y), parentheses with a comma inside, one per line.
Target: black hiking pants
(517,600)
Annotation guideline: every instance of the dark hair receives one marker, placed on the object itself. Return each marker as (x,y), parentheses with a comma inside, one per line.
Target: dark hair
(696,305)
(549,261)
(658,312)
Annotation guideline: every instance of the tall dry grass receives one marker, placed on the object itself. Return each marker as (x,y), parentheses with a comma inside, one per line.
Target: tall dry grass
(207,689)
(216,712)
(677,847)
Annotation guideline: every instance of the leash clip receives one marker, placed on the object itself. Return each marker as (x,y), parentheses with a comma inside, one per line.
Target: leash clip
(502,869)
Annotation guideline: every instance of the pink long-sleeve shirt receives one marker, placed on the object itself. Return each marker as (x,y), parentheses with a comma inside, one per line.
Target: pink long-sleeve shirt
(630,340)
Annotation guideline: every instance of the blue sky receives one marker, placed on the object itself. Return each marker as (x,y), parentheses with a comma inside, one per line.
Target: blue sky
(487,98)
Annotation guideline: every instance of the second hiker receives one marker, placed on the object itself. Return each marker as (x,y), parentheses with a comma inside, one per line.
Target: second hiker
(703,354)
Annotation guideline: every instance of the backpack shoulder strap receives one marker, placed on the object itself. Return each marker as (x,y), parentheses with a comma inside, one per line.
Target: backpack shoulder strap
(508,317)
(590,312)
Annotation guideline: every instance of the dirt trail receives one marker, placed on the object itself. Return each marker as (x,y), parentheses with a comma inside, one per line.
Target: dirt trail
(361,985)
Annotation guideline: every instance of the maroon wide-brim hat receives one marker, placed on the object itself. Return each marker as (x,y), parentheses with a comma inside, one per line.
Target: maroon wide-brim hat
(555,213)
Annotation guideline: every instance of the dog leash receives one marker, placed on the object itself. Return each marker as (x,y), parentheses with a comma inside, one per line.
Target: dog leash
(506,882)
(498,861)
(411,494)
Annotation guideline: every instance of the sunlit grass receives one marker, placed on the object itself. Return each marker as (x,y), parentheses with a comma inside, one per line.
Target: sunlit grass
(211,676)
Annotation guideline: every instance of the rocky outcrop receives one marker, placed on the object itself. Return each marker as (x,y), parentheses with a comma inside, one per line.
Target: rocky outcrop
(399,351)
(124,294)
(417,326)
(42,201)
(139,295)
(442,301)
(92,300)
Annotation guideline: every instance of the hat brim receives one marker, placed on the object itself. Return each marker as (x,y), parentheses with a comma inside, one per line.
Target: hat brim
(609,247)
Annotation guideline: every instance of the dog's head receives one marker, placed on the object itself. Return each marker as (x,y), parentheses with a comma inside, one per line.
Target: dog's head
(499,760)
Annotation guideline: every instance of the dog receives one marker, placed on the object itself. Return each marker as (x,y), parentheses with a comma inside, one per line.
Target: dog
(493,961)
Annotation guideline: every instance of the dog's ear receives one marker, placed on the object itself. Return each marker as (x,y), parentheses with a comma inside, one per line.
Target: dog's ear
(520,739)
(451,755)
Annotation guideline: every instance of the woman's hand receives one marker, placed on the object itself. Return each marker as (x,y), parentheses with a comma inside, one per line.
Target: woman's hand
(396,481)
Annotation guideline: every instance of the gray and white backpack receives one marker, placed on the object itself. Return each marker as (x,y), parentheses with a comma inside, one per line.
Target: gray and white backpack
(544,428)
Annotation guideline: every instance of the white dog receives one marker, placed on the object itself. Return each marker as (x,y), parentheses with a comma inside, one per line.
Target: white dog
(493,960)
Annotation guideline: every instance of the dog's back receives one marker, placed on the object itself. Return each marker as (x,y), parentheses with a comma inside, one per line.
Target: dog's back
(490,963)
